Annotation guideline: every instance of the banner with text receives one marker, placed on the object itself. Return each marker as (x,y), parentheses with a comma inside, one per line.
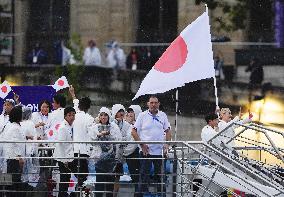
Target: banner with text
(31,96)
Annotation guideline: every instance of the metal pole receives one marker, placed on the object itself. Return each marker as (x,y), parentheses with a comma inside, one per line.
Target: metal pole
(216,95)
(175,137)
(174,177)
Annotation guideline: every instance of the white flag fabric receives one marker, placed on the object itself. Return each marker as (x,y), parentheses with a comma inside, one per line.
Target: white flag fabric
(189,58)
(5,88)
(72,184)
(52,132)
(60,84)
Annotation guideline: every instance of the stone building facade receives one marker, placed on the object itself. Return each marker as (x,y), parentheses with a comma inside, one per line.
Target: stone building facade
(104,20)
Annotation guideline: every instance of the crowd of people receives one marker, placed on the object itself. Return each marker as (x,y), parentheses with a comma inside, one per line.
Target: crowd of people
(113,56)
(74,123)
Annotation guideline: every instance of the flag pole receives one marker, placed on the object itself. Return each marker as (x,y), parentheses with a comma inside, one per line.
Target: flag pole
(215,81)
(176,114)
(216,95)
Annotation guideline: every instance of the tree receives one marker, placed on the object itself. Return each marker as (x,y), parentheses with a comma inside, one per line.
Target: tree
(235,15)
(256,16)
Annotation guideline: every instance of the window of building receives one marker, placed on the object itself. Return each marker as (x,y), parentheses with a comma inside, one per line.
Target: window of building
(49,23)
(6,30)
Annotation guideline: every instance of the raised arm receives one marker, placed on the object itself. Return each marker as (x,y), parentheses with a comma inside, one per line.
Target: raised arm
(75,100)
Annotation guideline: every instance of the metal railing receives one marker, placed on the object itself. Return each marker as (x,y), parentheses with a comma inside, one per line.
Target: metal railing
(194,169)
(270,171)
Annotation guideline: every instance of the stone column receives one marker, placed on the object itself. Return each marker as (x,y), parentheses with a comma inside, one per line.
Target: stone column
(104,20)
(21,16)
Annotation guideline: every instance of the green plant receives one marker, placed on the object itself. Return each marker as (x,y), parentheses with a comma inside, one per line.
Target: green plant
(234,15)
(73,72)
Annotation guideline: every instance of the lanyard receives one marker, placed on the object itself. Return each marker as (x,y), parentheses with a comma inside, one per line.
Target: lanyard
(156,118)
(36,54)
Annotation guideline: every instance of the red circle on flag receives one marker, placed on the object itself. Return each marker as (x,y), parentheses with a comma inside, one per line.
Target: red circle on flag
(57,126)
(60,82)
(4,89)
(173,58)
(71,184)
(50,133)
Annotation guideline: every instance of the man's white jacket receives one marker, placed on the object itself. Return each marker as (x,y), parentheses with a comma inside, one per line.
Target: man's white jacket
(83,125)
(65,133)
(4,119)
(13,132)
(55,118)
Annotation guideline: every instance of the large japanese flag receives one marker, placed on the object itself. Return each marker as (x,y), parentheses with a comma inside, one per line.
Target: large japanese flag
(5,88)
(189,58)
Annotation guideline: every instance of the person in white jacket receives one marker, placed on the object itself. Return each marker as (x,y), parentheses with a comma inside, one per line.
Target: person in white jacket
(83,125)
(131,151)
(92,55)
(8,105)
(4,117)
(116,57)
(211,129)
(225,121)
(118,112)
(56,116)
(31,169)
(64,152)
(15,152)
(40,118)
(105,153)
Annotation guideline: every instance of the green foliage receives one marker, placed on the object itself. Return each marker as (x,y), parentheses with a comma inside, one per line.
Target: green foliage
(73,72)
(234,17)
(212,4)
(76,47)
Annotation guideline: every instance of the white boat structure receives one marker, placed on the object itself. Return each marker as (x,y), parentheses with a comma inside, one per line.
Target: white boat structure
(206,170)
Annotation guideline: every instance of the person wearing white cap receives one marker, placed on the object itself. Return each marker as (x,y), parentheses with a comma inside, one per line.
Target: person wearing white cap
(118,112)
(31,171)
(105,153)
(132,113)
(131,151)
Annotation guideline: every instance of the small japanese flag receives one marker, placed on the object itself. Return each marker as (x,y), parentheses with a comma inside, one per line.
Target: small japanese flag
(60,84)
(5,88)
(72,183)
(52,132)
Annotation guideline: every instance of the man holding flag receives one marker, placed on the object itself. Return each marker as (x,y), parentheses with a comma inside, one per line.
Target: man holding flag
(189,58)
